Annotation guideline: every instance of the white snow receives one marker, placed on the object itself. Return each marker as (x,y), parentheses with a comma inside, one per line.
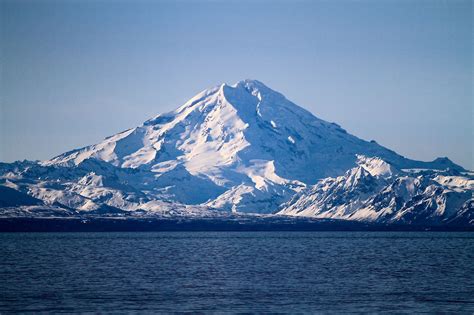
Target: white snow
(376,166)
(240,148)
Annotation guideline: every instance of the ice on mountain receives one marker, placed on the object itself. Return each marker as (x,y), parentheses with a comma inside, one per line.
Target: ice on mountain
(242,148)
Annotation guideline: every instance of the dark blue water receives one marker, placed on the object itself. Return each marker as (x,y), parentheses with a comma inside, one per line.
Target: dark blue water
(218,272)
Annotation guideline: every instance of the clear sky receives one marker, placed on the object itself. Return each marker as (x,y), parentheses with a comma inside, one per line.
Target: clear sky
(398,72)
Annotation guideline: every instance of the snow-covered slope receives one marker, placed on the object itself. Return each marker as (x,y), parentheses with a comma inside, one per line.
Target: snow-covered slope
(240,148)
(367,193)
(229,126)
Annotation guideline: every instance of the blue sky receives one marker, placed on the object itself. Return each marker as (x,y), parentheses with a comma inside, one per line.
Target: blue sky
(399,72)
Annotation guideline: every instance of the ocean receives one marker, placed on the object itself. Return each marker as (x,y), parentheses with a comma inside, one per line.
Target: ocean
(237,272)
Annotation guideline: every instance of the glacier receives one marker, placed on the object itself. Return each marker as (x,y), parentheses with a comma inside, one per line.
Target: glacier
(240,149)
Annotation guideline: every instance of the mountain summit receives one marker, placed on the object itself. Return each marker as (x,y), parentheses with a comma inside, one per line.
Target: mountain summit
(241,148)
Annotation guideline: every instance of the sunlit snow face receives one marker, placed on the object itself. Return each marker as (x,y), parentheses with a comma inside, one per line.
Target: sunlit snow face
(246,148)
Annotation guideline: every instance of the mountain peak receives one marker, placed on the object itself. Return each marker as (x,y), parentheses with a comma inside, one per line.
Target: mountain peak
(256,87)
(376,166)
(243,147)
(250,83)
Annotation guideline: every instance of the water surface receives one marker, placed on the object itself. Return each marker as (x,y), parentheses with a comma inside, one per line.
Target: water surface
(237,272)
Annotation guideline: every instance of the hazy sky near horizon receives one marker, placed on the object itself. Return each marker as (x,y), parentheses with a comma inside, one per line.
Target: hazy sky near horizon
(398,72)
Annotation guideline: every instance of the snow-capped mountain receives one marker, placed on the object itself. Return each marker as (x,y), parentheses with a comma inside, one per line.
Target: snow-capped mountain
(376,191)
(235,148)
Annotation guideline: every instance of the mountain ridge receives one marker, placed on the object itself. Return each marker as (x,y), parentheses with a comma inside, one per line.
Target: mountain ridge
(238,148)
